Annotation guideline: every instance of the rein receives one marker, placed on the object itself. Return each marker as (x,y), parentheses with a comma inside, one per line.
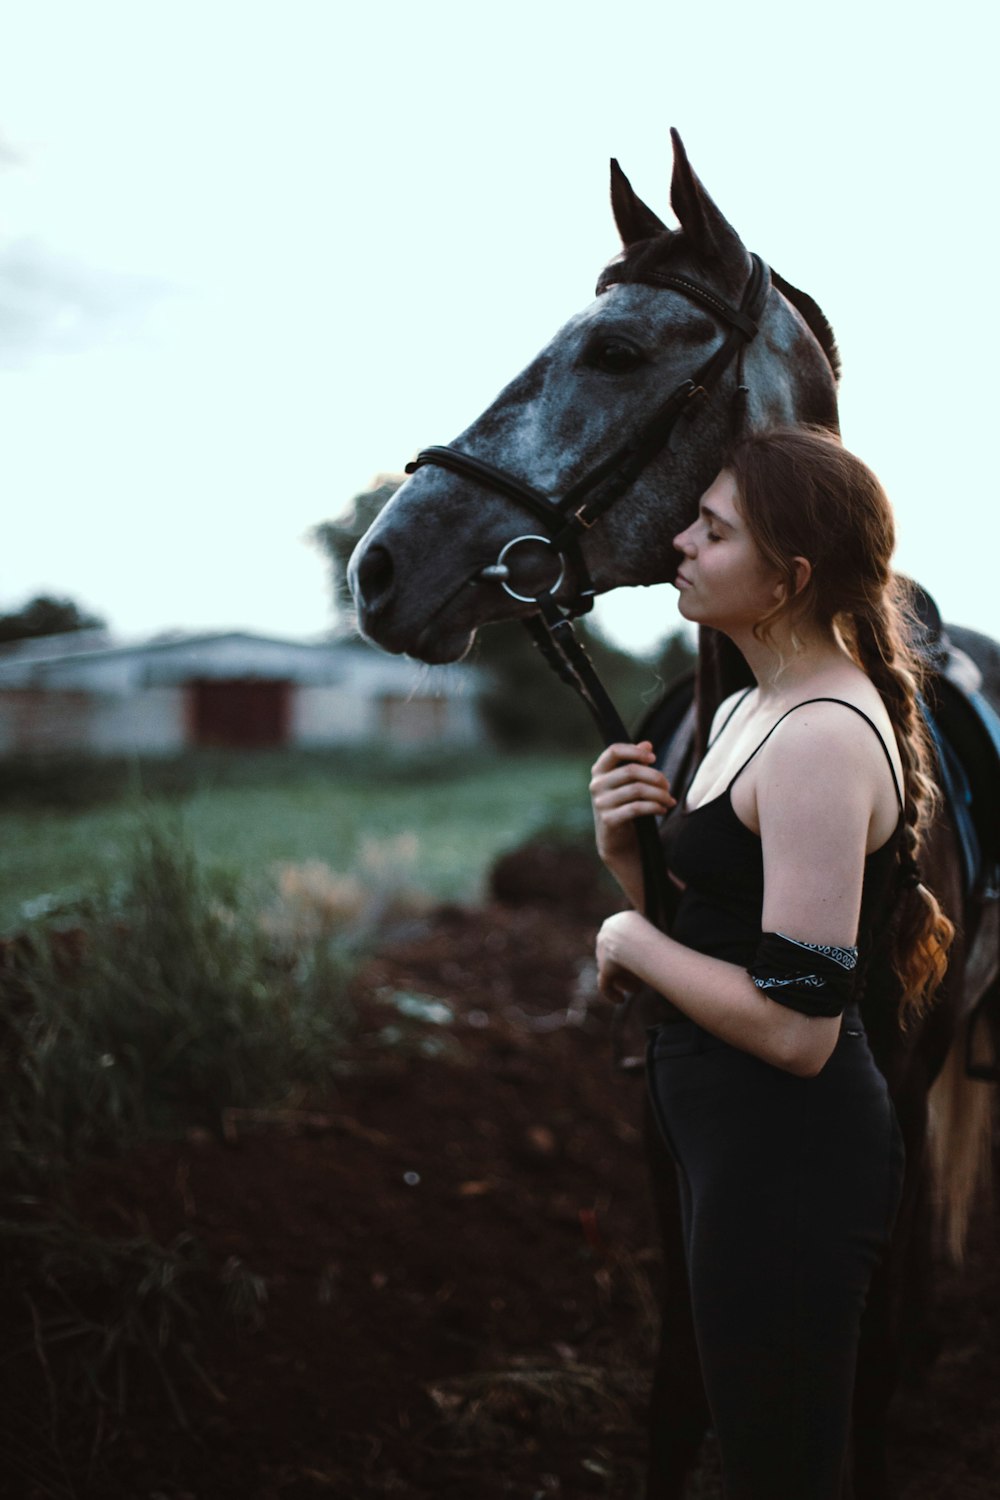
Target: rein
(565,519)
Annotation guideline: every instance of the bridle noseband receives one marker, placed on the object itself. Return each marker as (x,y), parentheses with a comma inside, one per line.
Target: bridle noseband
(566,519)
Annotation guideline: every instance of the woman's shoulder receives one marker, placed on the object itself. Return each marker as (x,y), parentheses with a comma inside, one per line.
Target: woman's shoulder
(836,737)
(850,706)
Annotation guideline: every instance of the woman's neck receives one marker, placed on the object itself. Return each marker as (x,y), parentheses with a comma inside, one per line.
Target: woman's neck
(791,659)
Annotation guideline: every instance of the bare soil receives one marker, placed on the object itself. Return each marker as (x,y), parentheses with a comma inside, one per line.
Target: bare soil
(458,1262)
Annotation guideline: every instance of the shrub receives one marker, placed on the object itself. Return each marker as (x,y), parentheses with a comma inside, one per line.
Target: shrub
(165,1003)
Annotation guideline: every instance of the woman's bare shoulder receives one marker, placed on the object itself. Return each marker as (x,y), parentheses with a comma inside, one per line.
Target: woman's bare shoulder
(837,745)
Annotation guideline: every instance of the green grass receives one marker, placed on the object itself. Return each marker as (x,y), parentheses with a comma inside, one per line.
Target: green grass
(173,1001)
(249,816)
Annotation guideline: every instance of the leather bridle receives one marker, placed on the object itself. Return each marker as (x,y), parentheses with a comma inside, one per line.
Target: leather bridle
(566,519)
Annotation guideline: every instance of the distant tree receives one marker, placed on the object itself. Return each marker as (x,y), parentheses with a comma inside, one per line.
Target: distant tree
(524,707)
(674,656)
(528,708)
(44,615)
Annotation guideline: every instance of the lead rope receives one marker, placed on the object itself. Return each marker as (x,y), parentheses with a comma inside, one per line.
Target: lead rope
(552,632)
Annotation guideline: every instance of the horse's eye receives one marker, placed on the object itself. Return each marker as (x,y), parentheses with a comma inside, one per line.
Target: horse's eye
(615,356)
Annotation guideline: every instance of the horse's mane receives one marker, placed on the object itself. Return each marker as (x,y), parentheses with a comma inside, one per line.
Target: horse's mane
(815,317)
(663,248)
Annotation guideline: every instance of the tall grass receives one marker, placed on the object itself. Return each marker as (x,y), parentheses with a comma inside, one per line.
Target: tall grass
(166,1001)
(174,994)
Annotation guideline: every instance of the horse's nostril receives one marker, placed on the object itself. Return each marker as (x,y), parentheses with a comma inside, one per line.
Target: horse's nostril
(375,576)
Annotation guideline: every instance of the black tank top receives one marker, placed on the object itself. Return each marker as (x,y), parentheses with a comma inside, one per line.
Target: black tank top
(721,863)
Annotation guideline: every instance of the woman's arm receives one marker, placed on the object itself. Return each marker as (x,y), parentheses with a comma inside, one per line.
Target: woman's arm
(815,793)
(720,996)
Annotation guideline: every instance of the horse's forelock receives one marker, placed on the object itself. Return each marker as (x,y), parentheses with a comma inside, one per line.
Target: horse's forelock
(645,255)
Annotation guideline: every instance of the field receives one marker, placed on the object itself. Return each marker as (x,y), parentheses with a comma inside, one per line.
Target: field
(458,814)
(426,1269)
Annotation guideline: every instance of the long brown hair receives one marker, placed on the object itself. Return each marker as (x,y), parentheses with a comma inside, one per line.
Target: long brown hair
(803,494)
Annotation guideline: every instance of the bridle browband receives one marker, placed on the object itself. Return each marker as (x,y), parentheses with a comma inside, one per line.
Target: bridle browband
(566,519)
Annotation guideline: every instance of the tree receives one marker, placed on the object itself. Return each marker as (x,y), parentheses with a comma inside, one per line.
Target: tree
(44,615)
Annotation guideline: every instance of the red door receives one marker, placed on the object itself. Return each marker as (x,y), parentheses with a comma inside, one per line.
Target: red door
(240,713)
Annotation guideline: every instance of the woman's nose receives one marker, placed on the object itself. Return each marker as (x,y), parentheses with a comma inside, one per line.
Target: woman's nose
(683,541)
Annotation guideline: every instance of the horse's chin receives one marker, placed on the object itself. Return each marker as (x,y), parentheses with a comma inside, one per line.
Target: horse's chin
(437,647)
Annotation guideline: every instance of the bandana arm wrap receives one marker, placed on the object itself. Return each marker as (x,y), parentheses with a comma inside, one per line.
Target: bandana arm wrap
(816,979)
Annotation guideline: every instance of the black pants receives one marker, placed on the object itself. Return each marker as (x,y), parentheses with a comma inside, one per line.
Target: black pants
(789,1188)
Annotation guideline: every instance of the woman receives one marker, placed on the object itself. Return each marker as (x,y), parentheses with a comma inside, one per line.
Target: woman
(796,845)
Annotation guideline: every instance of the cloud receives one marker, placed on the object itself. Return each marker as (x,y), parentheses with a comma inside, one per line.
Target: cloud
(50,304)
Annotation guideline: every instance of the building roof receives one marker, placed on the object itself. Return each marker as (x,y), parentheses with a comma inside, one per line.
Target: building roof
(91,661)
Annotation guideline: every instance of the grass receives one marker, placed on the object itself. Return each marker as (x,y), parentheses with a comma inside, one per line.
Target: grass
(180,953)
(250,815)
(172,997)
(184,955)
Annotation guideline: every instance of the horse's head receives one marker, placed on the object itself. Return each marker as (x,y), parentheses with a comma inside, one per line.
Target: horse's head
(603,408)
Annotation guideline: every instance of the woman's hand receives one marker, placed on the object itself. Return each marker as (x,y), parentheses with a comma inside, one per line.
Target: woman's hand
(615,980)
(625,784)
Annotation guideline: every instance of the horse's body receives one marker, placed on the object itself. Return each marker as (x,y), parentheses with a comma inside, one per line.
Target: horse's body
(420,587)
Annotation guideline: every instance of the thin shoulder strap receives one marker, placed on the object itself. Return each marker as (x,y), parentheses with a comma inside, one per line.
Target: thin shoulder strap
(860,711)
(725,723)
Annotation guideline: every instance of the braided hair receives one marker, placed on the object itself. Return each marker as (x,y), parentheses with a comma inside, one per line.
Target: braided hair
(803,494)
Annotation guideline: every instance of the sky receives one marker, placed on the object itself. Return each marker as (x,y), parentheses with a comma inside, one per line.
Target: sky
(253,254)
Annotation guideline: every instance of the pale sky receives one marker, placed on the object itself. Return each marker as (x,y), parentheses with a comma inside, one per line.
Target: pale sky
(252,254)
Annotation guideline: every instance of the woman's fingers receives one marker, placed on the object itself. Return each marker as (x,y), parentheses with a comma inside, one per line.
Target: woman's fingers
(614,816)
(633,791)
(617,754)
(622,766)
(630,776)
(616,984)
(616,790)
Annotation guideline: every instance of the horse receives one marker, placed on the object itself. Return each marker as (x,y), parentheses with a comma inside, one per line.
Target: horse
(611,469)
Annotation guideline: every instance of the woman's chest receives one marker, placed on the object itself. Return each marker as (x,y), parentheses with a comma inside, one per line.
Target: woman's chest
(710,850)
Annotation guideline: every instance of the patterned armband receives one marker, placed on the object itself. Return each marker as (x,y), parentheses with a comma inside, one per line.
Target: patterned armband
(814,978)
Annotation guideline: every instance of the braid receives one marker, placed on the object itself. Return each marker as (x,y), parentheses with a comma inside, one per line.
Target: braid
(921,932)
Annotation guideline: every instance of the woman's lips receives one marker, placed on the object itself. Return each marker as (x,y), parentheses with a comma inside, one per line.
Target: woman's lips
(681,582)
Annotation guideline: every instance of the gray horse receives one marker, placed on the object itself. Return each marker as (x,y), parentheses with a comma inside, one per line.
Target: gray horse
(425,578)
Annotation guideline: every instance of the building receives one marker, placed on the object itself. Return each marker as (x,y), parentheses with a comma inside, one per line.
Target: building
(234,690)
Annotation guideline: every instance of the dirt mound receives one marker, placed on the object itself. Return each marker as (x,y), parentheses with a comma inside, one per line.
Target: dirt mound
(556,873)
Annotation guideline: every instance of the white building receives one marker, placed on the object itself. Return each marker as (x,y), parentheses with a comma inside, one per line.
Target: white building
(79,692)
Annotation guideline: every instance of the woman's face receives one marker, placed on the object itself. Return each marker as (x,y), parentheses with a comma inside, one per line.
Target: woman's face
(722,579)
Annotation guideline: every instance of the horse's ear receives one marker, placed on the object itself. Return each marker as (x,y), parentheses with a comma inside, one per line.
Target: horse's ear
(712,236)
(635,221)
